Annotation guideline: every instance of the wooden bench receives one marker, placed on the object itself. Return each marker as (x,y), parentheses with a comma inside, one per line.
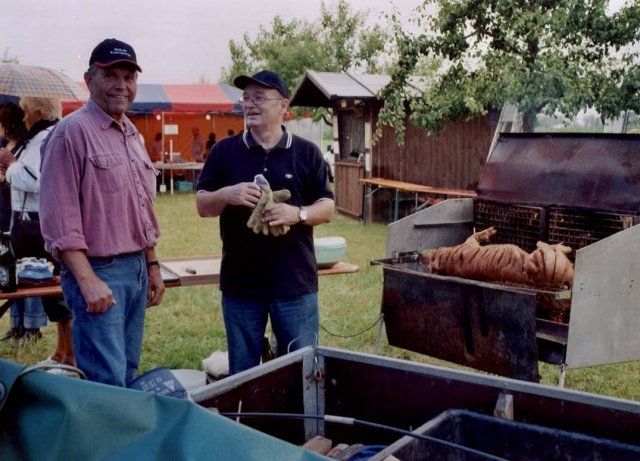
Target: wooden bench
(372,185)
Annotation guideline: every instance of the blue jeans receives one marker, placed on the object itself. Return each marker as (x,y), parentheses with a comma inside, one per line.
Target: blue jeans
(28,313)
(108,344)
(294,322)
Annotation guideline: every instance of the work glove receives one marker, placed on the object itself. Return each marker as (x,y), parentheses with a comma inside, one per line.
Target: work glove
(268,199)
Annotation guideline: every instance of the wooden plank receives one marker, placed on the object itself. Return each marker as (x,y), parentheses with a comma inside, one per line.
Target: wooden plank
(318,444)
(335,451)
(194,270)
(339,268)
(349,451)
(416,188)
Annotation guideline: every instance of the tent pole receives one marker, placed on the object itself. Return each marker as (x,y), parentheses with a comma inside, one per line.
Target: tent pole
(163,186)
(171,165)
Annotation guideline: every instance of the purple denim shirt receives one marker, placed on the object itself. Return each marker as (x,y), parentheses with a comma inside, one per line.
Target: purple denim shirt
(97,187)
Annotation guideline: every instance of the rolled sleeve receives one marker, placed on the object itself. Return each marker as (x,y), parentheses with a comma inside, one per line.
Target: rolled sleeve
(60,213)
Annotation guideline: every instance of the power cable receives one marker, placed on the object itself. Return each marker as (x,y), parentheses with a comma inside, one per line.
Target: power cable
(360,422)
(354,334)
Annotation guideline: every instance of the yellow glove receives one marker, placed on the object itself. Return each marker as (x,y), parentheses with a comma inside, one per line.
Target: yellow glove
(255,220)
(268,198)
(279,196)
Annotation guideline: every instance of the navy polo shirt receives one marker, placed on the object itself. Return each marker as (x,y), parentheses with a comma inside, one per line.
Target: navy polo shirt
(255,265)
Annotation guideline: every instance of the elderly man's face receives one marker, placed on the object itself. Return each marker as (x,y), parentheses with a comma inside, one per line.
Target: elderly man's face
(263,107)
(113,88)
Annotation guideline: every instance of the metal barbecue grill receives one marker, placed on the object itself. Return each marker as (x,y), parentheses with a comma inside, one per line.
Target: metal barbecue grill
(576,189)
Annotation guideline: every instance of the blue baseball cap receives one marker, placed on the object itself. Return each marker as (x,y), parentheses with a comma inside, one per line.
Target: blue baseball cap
(112,51)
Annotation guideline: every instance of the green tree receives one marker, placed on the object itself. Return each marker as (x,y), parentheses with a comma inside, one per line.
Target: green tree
(339,40)
(541,55)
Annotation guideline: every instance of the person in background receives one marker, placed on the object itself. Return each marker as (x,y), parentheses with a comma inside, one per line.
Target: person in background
(155,153)
(210,143)
(230,133)
(266,276)
(12,130)
(22,172)
(197,149)
(97,217)
(330,159)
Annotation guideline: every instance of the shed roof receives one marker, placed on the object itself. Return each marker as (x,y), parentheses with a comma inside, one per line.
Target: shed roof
(318,89)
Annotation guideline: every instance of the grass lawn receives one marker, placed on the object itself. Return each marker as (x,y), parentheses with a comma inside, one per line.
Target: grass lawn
(187,327)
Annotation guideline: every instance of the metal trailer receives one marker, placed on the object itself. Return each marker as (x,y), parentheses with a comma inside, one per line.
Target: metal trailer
(460,415)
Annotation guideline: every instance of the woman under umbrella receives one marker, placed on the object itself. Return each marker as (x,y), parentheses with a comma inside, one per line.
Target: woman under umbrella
(23,174)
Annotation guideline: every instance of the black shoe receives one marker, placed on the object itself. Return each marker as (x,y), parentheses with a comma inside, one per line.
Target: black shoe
(30,335)
(11,333)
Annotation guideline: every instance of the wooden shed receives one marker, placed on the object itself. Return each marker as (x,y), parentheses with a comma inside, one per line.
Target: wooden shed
(452,159)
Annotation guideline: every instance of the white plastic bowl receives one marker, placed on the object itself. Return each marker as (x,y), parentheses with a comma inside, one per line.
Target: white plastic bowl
(329,250)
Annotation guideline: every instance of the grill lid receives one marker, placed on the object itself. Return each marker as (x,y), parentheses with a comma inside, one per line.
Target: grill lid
(592,171)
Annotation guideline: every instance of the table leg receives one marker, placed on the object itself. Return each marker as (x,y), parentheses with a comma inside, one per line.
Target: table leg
(396,206)
(364,204)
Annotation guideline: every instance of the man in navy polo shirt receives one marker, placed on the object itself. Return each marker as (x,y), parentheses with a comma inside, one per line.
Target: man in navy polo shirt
(266,276)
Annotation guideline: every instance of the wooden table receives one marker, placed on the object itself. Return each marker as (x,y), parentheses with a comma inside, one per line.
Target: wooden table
(176,272)
(372,185)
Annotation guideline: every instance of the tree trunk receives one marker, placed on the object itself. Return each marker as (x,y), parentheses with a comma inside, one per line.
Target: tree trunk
(528,122)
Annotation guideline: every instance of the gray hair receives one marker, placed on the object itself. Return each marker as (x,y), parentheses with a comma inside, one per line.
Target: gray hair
(49,108)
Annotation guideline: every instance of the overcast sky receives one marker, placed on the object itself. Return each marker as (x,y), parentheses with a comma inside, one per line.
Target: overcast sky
(177,41)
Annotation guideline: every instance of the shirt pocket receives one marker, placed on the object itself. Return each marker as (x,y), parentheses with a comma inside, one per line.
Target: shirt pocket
(109,171)
(150,178)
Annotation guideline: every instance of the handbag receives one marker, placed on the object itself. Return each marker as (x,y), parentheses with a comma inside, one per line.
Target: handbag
(26,237)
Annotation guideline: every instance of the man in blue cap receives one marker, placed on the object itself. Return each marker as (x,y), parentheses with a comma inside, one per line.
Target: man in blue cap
(273,273)
(96,209)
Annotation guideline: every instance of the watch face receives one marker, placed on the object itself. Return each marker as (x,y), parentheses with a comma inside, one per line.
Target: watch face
(303,214)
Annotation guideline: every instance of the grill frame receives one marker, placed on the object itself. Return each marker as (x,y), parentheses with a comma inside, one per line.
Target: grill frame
(541,183)
(591,336)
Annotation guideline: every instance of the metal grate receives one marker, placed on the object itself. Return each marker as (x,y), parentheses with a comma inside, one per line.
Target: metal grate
(579,228)
(515,224)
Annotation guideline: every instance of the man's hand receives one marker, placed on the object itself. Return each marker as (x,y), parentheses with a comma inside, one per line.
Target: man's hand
(255,220)
(156,286)
(244,193)
(267,202)
(211,204)
(97,294)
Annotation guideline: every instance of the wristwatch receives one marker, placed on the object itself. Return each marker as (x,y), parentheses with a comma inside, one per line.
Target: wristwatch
(302,214)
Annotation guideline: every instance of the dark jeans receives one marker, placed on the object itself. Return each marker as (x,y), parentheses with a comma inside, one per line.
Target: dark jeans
(294,321)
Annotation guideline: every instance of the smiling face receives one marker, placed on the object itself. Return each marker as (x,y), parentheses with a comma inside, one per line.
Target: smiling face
(112,88)
(264,107)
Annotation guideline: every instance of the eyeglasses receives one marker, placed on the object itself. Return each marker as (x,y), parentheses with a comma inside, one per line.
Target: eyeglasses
(257,99)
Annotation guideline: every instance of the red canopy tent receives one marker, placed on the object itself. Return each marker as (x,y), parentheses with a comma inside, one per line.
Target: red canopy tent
(173,111)
(179,108)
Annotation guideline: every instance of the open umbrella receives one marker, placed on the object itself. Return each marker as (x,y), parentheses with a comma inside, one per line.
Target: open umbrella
(21,80)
